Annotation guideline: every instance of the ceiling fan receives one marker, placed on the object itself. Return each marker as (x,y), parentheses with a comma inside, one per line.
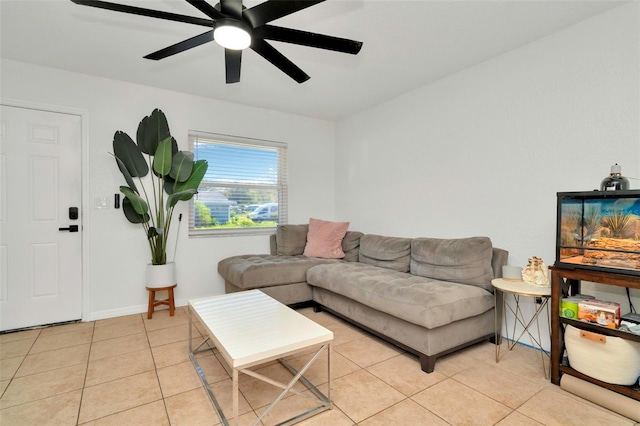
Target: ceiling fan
(235,28)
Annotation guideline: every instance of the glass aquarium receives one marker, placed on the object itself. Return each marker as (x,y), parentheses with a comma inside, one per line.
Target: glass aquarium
(599,230)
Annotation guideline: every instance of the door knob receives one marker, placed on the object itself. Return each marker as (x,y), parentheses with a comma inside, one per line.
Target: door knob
(71,228)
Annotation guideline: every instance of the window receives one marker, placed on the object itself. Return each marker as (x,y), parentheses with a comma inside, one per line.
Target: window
(245,188)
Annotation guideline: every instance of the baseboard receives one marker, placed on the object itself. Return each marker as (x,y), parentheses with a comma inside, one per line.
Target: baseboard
(129,310)
(119,312)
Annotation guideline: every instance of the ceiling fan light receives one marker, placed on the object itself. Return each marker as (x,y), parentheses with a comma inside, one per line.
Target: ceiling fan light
(232,34)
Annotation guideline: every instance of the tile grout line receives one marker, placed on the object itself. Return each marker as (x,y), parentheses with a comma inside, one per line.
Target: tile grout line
(486,396)
(40,372)
(13,376)
(155,369)
(86,373)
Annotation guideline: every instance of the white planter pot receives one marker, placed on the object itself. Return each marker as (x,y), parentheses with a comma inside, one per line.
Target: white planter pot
(158,276)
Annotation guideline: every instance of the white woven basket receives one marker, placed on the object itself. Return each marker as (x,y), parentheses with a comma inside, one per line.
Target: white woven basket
(607,358)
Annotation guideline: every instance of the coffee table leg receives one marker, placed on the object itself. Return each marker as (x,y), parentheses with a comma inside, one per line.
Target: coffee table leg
(196,364)
(329,360)
(235,397)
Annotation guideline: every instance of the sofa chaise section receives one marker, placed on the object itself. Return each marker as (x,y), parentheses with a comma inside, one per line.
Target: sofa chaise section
(282,277)
(282,273)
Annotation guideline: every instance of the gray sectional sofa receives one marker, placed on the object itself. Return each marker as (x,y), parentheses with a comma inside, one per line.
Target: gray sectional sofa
(428,296)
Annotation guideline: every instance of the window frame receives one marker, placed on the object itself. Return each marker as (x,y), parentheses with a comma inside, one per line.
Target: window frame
(281,186)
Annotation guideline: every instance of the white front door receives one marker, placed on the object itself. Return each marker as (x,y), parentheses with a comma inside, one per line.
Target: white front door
(40,180)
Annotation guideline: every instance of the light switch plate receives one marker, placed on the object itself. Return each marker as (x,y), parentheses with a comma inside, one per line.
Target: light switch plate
(101,203)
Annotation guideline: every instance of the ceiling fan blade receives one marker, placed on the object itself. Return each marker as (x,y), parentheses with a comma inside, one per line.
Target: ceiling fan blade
(145,12)
(304,38)
(206,8)
(232,60)
(232,8)
(268,52)
(274,9)
(182,46)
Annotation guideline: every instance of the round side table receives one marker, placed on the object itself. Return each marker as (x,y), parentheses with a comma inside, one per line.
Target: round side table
(519,289)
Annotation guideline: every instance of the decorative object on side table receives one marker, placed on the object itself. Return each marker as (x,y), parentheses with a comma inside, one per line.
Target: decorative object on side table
(150,202)
(536,272)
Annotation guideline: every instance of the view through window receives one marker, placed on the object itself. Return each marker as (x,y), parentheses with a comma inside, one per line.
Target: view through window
(244,189)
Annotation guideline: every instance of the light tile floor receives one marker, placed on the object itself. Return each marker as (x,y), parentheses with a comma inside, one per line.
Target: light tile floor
(134,371)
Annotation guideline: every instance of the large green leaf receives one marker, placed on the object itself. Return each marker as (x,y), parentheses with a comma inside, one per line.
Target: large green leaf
(174,146)
(174,151)
(140,205)
(162,159)
(151,131)
(169,185)
(141,135)
(129,154)
(185,195)
(181,166)
(197,174)
(126,174)
(131,214)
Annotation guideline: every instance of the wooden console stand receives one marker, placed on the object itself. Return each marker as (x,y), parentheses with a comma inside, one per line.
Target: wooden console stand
(565,282)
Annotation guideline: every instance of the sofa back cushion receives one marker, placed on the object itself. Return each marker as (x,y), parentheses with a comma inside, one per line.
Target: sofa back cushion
(291,239)
(386,252)
(462,260)
(351,245)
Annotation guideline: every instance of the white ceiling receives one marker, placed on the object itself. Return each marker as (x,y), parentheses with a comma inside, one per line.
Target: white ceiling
(407,44)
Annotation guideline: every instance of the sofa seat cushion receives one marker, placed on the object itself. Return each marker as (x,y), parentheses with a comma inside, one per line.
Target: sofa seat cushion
(261,270)
(419,300)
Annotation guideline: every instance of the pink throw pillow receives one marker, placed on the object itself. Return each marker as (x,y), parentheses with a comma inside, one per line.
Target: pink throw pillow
(324,239)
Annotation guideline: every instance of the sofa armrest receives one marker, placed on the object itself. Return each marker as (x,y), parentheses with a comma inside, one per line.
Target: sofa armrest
(499,259)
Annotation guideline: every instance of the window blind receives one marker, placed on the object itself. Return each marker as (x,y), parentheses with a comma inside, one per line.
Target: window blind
(245,188)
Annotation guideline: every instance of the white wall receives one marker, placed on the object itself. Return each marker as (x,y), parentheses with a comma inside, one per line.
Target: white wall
(117,249)
(483,152)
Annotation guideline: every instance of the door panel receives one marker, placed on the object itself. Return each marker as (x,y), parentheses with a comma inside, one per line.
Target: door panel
(41,174)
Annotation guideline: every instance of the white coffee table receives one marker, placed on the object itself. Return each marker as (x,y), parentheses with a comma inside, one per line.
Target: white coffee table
(250,328)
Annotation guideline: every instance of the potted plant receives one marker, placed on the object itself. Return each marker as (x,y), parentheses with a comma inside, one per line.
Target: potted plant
(150,202)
